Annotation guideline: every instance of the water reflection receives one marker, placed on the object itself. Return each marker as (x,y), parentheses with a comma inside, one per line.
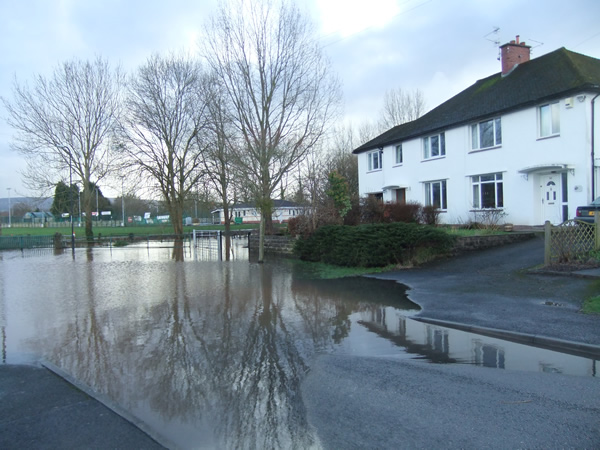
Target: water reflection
(211,354)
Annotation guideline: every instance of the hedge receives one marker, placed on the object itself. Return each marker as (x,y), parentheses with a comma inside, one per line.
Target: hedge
(375,245)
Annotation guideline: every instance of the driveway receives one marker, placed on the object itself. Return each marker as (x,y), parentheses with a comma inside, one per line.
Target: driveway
(494,288)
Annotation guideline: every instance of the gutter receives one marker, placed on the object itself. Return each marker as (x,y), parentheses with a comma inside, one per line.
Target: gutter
(593,151)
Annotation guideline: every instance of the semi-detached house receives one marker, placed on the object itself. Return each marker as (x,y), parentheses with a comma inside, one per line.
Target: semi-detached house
(524,142)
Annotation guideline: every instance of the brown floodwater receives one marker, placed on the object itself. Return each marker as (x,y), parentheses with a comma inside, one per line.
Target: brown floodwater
(212,354)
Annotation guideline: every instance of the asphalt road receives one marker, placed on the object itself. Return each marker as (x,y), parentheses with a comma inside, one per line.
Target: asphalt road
(368,403)
(363,402)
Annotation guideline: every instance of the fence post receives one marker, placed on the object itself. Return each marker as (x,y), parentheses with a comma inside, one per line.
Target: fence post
(596,232)
(220,245)
(547,239)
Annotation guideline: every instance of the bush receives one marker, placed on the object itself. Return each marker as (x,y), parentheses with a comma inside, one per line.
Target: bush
(376,245)
(430,215)
(371,210)
(402,212)
(300,226)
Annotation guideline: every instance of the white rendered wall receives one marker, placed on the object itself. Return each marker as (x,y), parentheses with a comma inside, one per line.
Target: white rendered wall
(521,149)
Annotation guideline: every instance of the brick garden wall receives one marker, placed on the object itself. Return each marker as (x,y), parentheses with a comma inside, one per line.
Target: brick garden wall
(285,245)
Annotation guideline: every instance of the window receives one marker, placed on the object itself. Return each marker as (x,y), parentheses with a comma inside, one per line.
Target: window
(486,134)
(434,146)
(374,160)
(399,158)
(487,191)
(549,117)
(435,194)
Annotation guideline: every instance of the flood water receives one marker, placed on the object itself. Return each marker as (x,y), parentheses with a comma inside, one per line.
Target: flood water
(212,354)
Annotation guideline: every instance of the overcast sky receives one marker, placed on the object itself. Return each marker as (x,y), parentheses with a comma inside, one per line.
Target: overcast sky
(437,46)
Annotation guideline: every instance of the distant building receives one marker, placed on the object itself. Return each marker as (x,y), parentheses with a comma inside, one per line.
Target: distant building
(283,210)
(524,142)
(38,217)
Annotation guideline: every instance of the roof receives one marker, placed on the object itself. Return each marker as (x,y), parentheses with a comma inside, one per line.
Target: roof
(554,75)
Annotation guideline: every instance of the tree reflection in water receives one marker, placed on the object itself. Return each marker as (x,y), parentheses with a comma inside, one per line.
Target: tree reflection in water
(210,354)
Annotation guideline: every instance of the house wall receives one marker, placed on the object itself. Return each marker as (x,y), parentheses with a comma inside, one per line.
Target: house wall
(521,151)
(250,215)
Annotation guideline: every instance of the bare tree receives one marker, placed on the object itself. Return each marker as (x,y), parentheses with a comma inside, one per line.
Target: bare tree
(166,115)
(267,58)
(219,154)
(64,126)
(400,107)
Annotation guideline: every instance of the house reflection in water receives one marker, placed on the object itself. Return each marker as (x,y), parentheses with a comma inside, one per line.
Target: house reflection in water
(445,345)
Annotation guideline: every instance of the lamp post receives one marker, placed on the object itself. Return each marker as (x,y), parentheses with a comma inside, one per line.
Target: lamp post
(123,200)
(71,195)
(9,216)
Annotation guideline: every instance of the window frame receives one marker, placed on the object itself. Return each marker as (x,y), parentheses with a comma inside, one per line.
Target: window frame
(399,152)
(477,190)
(427,146)
(553,117)
(371,159)
(477,132)
(430,194)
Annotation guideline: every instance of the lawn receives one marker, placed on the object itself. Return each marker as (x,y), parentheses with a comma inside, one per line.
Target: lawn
(137,230)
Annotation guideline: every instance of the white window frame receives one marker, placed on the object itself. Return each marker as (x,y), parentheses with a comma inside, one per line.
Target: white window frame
(549,120)
(478,182)
(399,155)
(374,160)
(478,130)
(430,191)
(428,147)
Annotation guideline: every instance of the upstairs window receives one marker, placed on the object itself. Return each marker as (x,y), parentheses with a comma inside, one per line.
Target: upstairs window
(549,118)
(434,146)
(486,134)
(374,159)
(488,191)
(399,158)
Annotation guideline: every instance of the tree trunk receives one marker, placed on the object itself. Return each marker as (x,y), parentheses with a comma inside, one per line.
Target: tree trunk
(227,230)
(261,240)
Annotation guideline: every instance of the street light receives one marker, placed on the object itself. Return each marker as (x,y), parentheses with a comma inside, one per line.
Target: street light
(71,195)
(123,200)
(9,217)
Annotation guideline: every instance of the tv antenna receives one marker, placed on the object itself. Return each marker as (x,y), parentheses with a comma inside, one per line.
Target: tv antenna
(495,39)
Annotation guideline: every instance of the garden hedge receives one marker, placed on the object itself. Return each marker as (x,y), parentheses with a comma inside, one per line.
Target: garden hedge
(375,245)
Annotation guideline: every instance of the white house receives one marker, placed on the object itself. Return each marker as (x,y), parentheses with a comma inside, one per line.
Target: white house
(283,210)
(524,142)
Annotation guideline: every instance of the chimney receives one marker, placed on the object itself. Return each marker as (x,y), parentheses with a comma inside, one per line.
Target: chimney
(512,54)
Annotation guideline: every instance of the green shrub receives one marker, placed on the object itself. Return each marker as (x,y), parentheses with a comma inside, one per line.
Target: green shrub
(374,245)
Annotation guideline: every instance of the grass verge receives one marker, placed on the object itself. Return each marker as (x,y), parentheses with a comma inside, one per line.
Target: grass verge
(325,271)
(592,305)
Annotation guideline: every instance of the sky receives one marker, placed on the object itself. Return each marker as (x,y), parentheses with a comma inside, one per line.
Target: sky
(437,46)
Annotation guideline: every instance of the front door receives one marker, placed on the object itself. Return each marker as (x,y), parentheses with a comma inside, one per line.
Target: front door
(551,198)
(400,196)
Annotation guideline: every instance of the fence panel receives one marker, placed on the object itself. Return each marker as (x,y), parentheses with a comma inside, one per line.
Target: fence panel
(569,241)
(22,242)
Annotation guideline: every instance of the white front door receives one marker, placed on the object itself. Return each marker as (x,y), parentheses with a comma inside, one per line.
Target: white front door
(551,198)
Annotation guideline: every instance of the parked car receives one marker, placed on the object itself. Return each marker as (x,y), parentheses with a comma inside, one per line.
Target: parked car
(589,212)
